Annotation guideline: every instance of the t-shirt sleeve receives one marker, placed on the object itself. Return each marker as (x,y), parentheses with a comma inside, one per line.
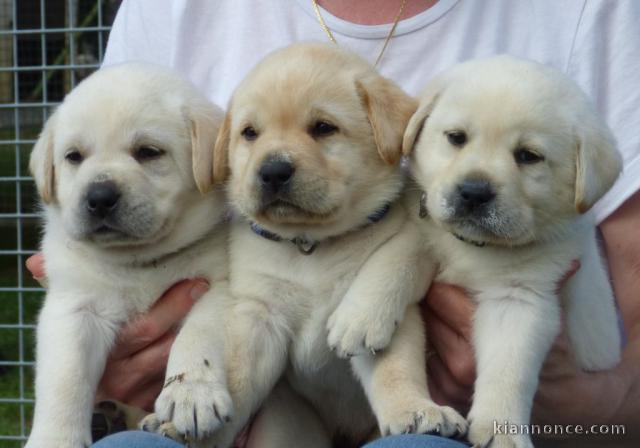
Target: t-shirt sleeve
(141,31)
(605,61)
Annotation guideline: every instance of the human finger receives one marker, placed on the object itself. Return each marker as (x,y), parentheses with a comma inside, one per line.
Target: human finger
(443,388)
(452,305)
(124,377)
(35,265)
(453,349)
(146,396)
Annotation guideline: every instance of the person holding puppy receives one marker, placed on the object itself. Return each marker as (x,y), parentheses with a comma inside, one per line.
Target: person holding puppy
(594,42)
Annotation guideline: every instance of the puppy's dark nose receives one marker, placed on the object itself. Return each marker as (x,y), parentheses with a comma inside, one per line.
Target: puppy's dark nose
(102,198)
(275,174)
(474,193)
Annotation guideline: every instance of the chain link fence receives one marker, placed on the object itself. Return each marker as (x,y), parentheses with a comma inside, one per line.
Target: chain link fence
(46,48)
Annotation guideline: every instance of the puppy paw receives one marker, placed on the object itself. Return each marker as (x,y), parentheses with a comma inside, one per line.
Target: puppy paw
(196,405)
(151,423)
(421,417)
(355,330)
(487,434)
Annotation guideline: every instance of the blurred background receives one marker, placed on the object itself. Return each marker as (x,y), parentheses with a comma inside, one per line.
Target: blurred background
(46,47)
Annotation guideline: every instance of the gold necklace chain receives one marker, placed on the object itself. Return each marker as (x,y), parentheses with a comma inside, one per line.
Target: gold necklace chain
(386,41)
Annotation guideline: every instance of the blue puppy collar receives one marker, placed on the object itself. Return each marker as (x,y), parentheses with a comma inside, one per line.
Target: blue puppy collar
(306,246)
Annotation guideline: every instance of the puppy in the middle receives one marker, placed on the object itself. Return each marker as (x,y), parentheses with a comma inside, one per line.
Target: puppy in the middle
(312,143)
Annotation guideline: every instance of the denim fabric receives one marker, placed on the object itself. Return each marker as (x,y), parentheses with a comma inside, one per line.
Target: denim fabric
(135,439)
(139,439)
(415,441)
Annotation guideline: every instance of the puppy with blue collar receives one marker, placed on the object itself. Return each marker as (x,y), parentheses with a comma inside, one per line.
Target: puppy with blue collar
(325,269)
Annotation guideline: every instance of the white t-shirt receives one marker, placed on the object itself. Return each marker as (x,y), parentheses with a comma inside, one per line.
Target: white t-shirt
(215,43)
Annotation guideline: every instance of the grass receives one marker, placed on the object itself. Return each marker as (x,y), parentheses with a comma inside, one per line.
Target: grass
(10,385)
(10,381)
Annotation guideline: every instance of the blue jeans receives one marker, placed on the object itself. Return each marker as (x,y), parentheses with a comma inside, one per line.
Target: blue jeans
(415,441)
(139,439)
(136,439)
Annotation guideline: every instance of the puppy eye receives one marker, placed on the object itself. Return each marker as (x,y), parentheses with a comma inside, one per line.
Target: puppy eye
(145,153)
(74,157)
(524,156)
(322,129)
(249,133)
(457,138)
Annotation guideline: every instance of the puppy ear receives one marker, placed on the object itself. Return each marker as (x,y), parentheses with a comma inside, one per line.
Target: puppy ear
(204,121)
(41,162)
(598,163)
(389,110)
(428,101)
(221,151)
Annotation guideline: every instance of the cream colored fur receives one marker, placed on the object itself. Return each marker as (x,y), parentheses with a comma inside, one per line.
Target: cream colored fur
(532,232)
(169,230)
(287,310)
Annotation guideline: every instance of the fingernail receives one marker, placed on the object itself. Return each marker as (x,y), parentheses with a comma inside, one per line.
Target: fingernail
(199,289)
(41,280)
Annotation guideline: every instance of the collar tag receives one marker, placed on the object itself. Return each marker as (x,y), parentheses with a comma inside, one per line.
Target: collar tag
(304,246)
(423,213)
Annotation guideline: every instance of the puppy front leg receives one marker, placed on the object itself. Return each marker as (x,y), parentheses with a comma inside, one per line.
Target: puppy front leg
(257,341)
(195,396)
(72,347)
(396,275)
(395,382)
(512,337)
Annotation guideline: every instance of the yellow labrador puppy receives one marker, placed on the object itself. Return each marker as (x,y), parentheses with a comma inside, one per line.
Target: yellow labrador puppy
(510,156)
(320,259)
(119,166)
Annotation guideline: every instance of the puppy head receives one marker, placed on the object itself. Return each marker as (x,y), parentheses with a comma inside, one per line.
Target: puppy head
(508,151)
(313,138)
(125,154)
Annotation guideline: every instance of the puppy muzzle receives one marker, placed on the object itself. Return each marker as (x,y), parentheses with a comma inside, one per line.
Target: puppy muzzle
(473,198)
(102,205)
(275,175)
(102,199)
(107,213)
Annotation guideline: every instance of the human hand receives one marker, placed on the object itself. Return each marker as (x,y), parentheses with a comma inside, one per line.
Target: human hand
(448,314)
(35,264)
(134,373)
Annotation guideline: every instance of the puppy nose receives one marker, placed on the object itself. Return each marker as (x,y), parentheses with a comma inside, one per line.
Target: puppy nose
(102,198)
(275,174)
(475,192)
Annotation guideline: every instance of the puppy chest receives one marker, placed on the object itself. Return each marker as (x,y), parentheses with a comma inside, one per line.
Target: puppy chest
(503,272)
(329,269)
